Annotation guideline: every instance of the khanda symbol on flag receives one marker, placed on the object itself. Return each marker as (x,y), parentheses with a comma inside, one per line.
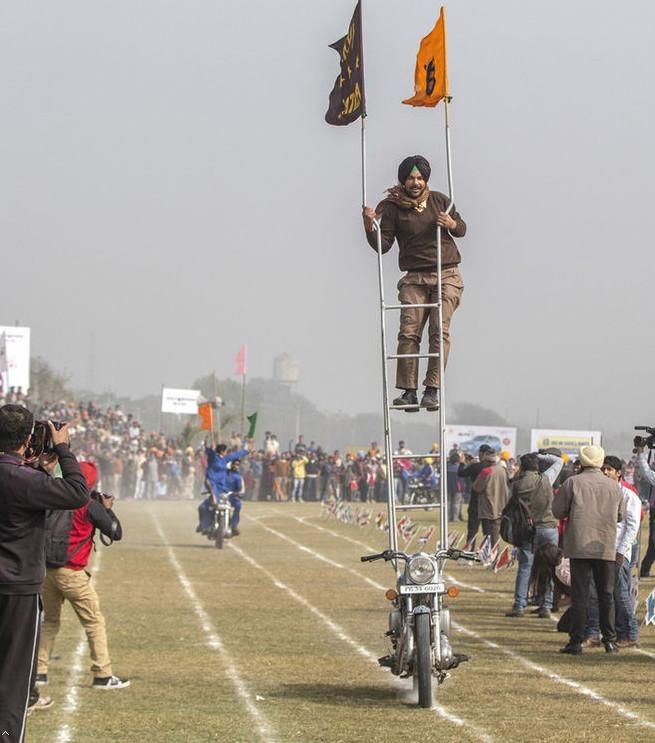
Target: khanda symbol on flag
(430,75)
(347,102)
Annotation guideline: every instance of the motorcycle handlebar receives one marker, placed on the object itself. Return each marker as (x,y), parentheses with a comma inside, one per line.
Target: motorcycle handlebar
(450,554)
(386,555)
(455,554)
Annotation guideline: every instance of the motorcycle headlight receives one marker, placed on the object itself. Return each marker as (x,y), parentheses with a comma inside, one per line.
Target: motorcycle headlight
(421,569)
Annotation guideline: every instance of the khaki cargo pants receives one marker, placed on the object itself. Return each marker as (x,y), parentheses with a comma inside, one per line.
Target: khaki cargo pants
(74,585)
(421,288)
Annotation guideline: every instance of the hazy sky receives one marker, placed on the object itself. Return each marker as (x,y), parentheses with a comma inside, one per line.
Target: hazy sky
(169,190)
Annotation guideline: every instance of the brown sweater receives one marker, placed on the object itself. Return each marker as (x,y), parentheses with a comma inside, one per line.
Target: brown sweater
(417,235)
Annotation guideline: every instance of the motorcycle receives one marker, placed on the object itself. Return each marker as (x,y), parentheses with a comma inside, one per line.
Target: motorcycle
(222,511)
(419,621)
(420,492)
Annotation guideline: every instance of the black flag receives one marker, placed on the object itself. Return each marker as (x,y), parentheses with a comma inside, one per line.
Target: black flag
(347,101)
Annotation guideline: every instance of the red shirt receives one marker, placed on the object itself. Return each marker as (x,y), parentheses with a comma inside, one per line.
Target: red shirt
(80,531)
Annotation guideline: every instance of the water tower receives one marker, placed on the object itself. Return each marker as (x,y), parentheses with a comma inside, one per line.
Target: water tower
(286,371)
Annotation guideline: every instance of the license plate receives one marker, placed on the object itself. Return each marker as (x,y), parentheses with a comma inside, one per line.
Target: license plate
(427,588)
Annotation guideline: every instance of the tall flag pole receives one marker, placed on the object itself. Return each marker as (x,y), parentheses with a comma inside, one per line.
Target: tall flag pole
(241,369)
(430,87)
(347,99)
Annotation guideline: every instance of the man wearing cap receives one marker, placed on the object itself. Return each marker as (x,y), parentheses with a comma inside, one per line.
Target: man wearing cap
(593,504)
(411,215)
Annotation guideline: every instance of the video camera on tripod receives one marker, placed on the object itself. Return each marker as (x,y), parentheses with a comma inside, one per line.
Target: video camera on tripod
(641,442)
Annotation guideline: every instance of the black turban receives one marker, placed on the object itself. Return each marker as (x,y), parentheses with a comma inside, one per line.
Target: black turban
(414,161)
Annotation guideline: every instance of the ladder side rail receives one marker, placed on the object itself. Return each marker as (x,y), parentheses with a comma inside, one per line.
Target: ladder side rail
(443,466)
(441,416)
(388,448)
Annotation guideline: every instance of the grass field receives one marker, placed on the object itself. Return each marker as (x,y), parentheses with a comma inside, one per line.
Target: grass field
(275,638)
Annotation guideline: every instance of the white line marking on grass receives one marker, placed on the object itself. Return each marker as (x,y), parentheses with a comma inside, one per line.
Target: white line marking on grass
(318,556)
(303,520)
(71,701)
(360,649)
(584,690)
(579,688)
(264,728)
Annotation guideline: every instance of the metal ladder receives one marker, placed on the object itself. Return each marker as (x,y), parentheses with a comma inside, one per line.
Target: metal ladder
(392,506)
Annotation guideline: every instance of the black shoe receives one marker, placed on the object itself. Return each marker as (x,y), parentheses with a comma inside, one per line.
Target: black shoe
(571,648)
(110,682)
(430,399)
(235,532)
(199,529)
(408,401)
(41,679)
(611,647)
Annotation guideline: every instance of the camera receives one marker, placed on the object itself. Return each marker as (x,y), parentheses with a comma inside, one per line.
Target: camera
(639,442)
(41,439)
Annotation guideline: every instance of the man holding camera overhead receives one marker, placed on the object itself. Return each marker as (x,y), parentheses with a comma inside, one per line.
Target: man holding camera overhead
(25,495)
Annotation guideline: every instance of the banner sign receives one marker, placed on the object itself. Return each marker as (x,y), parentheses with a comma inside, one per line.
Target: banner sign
(568,441)
(470,438)
(179,401)
(15,357)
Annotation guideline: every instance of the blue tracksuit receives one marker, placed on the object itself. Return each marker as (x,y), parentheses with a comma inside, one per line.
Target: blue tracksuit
(234,483)
(217,475)
(217,468)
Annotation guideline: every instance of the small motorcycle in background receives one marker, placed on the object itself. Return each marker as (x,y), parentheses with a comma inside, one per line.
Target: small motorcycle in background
(419,621)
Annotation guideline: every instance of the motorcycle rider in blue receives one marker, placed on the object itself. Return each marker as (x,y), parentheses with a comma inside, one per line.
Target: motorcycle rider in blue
(216,479)
(236,489)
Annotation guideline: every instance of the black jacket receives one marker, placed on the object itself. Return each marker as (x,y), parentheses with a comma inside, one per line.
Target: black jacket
(25,495)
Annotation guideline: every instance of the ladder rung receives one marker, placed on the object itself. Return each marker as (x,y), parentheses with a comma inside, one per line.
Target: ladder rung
(417,506)
(404,306)
(432,454)
(413,356)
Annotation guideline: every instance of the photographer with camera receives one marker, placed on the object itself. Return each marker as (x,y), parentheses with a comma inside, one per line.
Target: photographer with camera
(68,548)
(642,443)
(25,495)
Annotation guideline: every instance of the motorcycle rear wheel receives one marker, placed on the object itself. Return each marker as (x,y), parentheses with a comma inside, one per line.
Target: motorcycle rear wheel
(220,532)
(423,664)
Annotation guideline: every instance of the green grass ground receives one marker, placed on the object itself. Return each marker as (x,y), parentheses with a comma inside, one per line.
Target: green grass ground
(275,639)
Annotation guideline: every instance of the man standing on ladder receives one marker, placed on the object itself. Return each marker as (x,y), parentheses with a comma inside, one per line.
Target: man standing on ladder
(411,215)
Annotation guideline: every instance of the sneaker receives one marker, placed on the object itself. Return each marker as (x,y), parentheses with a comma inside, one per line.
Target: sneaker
(514,612)
(408,401)
(590,642)
(41,703)
(110,682)
(543,613)
(41,679)
(430,399)
(235,532)
(627,643)
(611,647)
(571,648)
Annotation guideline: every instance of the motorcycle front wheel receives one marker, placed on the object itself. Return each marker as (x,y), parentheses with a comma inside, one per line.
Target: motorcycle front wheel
(423,664)
(220,531)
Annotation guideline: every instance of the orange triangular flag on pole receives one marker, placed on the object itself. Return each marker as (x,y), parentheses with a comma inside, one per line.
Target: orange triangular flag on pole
(206,417)
(430,76)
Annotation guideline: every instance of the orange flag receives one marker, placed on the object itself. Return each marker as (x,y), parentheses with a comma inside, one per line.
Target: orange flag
(206,416)
(430,76)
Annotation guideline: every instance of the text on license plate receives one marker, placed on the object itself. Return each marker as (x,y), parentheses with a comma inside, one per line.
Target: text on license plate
(427,588)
